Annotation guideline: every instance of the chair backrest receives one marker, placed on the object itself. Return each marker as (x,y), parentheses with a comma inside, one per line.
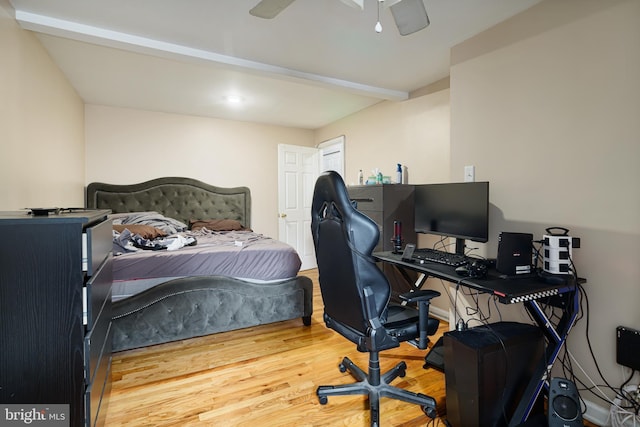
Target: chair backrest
(344,239)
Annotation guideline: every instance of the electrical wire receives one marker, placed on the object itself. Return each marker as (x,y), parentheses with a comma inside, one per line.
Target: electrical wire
(568,360)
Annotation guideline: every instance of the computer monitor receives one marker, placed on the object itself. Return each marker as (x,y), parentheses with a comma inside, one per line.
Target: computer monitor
(459,210)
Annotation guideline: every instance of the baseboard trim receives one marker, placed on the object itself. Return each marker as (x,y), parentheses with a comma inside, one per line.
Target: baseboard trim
(595,413)
(439,313)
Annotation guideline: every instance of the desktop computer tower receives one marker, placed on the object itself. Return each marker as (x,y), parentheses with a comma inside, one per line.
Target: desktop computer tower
(487,369)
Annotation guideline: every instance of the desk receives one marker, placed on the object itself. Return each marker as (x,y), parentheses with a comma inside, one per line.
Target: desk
(533,293)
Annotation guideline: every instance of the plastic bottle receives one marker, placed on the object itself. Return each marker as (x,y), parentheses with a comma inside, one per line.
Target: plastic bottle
(399,174)
(360,177)
(379,178)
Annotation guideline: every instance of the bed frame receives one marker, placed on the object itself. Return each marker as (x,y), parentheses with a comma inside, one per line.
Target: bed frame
(195,306)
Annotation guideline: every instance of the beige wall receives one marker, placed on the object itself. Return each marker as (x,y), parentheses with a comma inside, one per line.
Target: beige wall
(414,133)
(129,146)
(547,107)
(41,125)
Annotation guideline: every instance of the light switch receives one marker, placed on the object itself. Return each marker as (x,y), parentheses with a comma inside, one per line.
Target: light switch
(469,173)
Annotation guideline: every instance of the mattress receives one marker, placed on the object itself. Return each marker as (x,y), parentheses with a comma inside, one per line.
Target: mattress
(240,254)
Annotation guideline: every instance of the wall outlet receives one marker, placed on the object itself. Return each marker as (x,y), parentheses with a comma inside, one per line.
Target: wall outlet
(469,173)
(628,347)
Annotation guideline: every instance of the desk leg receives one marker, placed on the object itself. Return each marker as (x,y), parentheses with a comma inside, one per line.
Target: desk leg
(556,337)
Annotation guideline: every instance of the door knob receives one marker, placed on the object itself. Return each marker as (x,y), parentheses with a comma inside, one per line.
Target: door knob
(282,215)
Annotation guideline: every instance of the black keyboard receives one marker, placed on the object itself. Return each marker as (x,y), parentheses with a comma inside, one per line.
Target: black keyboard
(441,257)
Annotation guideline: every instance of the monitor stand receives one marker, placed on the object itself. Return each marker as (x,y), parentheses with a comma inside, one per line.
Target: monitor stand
(460,246)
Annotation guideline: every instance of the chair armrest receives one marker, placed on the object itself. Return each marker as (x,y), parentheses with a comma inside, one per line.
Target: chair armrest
(417,296)
(423,299)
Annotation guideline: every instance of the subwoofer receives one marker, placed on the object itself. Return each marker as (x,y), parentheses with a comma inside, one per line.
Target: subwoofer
(564,404)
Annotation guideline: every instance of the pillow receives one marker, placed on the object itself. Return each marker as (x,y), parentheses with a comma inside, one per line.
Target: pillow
(215,224)
(144,231)
(154,219)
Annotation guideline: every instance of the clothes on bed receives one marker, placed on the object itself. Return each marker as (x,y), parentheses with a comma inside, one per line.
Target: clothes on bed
(127,241)
(153,219)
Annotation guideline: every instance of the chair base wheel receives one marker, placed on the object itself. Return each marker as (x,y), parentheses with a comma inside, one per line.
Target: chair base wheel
(376,386)
(430,412)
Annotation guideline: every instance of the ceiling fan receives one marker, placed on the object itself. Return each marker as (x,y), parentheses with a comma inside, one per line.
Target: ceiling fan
(410,15)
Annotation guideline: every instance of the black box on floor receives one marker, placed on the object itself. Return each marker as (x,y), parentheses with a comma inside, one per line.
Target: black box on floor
(487,369)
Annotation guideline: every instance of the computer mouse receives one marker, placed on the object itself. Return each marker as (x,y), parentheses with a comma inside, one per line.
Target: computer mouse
(462,271)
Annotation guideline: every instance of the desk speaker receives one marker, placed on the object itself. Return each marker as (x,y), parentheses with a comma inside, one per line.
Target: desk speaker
(564,404)
(514,253)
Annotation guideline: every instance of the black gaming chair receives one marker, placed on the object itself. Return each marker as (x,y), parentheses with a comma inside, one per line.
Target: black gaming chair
(356,298)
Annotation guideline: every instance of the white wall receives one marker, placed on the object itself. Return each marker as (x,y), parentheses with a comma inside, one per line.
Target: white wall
(547,107)
(126,146)
(41,125)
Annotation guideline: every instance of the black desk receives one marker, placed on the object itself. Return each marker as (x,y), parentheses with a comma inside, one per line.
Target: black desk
(532,292)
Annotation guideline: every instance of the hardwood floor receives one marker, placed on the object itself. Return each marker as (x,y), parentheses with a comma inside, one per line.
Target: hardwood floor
(259,376)
(262,376)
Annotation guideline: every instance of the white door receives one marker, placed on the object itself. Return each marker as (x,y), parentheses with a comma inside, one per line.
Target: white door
(297,173)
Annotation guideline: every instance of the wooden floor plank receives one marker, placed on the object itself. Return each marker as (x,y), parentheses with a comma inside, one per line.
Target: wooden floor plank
(261,376)
(265,375)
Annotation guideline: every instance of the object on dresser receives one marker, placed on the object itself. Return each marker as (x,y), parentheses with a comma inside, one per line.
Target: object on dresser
(44,211)
(194,283)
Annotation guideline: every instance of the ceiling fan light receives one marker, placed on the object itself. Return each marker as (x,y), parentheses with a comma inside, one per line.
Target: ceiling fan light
(410,16)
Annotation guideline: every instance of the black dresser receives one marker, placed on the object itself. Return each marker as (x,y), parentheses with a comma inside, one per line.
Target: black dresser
(386,203)
(55,312)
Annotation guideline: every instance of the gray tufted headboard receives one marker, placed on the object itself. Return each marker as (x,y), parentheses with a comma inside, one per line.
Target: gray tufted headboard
(174,197)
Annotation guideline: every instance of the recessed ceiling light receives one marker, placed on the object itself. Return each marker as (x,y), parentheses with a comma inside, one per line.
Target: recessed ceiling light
(234,99)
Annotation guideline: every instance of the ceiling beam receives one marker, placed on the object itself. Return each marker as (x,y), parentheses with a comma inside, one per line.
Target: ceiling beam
(104,37)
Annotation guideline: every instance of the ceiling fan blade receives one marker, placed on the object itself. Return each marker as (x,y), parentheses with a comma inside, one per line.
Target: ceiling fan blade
(410,16)
(269,9)
(389,3)
(356,4)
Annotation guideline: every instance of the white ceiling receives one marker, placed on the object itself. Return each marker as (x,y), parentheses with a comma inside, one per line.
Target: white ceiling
(316,62)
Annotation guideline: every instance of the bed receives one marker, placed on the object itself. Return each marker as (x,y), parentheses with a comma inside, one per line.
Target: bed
(239,278)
